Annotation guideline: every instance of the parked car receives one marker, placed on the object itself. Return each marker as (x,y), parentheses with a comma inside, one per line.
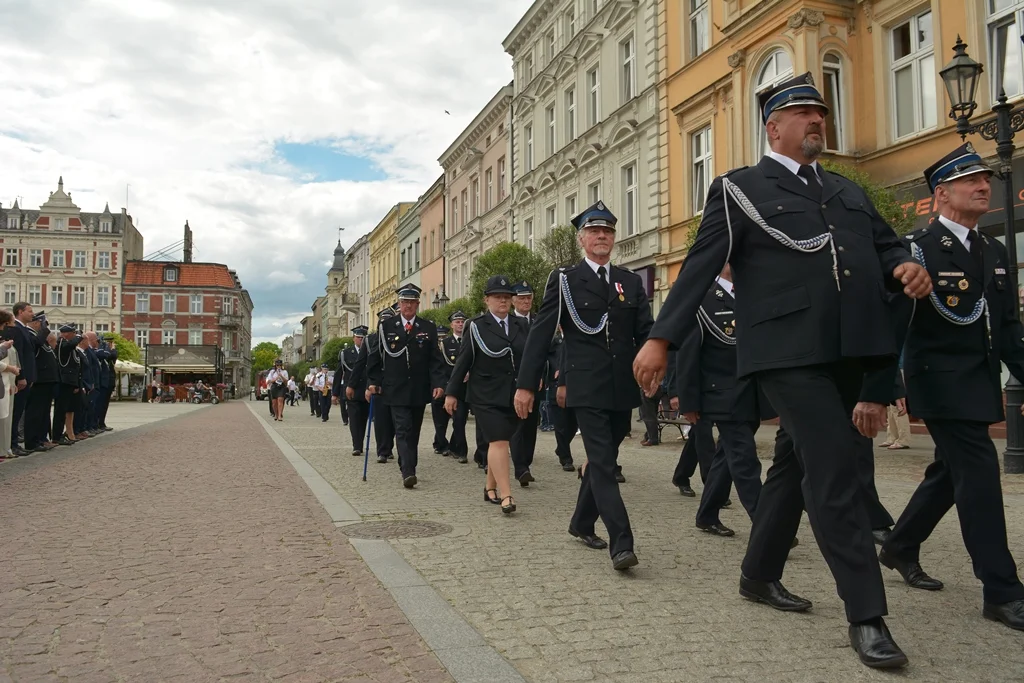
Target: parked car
(262,391)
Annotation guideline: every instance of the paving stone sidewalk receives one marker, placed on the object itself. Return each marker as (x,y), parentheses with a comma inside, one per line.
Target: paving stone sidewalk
(558,612)
(188,552)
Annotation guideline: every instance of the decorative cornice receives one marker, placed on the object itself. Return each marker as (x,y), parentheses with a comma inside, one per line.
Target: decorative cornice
(737,59)
(806,17)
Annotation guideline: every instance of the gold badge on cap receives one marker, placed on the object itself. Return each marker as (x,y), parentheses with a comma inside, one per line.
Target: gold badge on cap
(963,285)
(952,300)
(970,148)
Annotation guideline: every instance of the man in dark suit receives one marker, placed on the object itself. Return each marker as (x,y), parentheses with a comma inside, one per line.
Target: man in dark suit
(107,353)
(562,418)
(350,388)
(456,446)
(710,390)
(524,441)
(407,373)
(26,341)
(699,448)
(811,256)
(952,356)
(605,318)
(383,427)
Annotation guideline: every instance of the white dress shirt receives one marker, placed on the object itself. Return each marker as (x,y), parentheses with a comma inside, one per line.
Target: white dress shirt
(726,285)
(794,165)
(502,321)
(959,231)
(607,269)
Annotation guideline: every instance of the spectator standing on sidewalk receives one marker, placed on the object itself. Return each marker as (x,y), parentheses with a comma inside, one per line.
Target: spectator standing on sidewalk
(8,387)
(897,435)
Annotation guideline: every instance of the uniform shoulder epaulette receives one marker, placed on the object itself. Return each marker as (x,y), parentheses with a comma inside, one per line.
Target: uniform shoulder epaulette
(624,268)
(734,170)
(566,269)
(916,234)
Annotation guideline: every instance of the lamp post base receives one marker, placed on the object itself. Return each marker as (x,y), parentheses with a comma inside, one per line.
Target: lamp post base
(1013,457)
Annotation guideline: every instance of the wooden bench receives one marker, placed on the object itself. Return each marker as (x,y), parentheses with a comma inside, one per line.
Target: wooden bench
(668,417)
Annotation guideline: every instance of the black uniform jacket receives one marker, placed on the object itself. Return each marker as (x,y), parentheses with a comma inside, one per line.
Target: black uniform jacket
(348,361)
(409,378)
(492,381)
(952,371)
(706,368)
(69,361)
(790,312)
(450,346)
(46,365)
(598,368)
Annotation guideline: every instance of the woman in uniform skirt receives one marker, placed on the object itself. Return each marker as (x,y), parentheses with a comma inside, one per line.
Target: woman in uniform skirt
(485,375)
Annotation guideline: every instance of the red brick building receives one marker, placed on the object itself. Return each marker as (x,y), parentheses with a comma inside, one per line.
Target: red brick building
(195,307)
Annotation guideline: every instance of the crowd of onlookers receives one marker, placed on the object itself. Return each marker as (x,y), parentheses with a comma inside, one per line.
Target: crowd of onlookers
(56,385)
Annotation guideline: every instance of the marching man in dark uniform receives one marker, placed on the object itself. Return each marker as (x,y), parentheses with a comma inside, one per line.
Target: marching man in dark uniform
(524,443)
(811,257)
(605,318)
(710,391)
(952,355)
(456,446)
(383,427)
(407,372)
(351,389)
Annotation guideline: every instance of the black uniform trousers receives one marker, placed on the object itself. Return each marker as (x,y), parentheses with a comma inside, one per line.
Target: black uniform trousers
(383,428)
(314,401)
(457,445)
(816,455)
(524,442)
(603,432)
(343,407)
(18,412)
(325,405)
(698,449)
(105,395)
(358,414)
(564,420)
(965,473)
(735,462)
(408,421)
(649,414)
(879,516)
(440,417)
(37,414)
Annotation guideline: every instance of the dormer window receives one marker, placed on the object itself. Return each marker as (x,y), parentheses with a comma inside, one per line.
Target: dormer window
(12,222)
(104,226)
(59,223)
(170,274)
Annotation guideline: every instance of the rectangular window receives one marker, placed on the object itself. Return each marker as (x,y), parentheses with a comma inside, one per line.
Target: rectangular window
(570,23)
(57,259)
(699,20)
(78,295)
(489,197)
(59,223)
(103,297)
(455,213)
(913,75)
(12,222)
(195,303)
(56,295)
(35,258)
(416,251)
(501,178)
(550,41)
(570,114)
(10,294)
(227,305)
(142,302)
(832,89)
(528,147)
(528,68)
(141,338)
(103,260)
(549,117)
(35,295)
(629,198)
(168,337)
(170,303)
(1006,54)
(79,259)
(465,207)
(570,208)
(195,337)
(171,274)
(593,193)
(701,169)
(402,256)
(476,197)
(628,51)
(11,257)
(528,229)
(104,226)
(593,97)
(552,217)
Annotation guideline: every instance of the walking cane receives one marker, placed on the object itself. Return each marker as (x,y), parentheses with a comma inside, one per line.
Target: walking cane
(369,431)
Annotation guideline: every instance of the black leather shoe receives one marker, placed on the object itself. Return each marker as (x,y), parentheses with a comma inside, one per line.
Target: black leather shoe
(525,478)
(567,466)
(619,477)
(911,572)
(727,503)
(589,540)
(687,491)
(409,481)
(20,452)
(382,459)
(461,459)
(1010,613)
(773,594)
(623,560)
(717,529)
(881,535)
(875,646)
(357,453)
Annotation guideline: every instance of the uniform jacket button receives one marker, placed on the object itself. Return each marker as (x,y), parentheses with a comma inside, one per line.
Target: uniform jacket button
(846,273)
(841,249)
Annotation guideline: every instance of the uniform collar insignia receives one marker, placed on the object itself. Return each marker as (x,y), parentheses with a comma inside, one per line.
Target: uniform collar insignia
(946,241)
(719,293)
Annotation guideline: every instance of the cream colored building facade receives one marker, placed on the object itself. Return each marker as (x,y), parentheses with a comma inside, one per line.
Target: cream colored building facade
(431,210)
(585,121)
(384,257)
(357,265)
(476,191)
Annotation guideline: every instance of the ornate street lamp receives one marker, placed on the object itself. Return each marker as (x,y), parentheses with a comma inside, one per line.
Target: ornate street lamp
(961,77)
(442,300)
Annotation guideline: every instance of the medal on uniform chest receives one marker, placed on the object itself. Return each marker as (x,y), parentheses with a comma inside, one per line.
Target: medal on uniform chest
(618,288)
(963,285)
(943,283)
(952,300)
(392,347)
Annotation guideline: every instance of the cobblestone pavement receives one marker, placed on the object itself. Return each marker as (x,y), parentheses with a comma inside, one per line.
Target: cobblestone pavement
(559,612)
(188,550)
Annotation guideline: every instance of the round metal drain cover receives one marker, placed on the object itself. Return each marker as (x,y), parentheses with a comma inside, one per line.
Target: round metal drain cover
(398,528)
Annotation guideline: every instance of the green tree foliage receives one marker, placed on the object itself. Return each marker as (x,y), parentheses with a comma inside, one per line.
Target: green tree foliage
(439,316)
(298,371)
(885,199)
(263,355)
(329,352)
(513,260)
(127,350)
(561,247)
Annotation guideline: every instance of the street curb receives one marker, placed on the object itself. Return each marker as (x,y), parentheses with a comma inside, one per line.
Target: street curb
(460,647)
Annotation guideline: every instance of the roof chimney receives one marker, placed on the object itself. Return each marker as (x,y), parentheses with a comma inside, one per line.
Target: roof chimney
(188,244)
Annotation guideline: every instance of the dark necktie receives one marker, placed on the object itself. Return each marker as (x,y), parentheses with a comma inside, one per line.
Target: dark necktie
(813,184)
(504,330)
(601,272)
(974,240)
(408,328)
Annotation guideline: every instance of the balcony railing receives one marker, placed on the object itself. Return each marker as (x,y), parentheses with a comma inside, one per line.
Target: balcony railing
(230,321)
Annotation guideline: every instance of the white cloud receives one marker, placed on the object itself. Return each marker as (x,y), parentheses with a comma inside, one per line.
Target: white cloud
(184,100)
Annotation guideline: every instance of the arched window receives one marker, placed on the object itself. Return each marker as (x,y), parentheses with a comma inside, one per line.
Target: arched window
(832,91)
(776,68)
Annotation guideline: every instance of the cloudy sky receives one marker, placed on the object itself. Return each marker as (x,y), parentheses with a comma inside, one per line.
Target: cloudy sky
(267,124)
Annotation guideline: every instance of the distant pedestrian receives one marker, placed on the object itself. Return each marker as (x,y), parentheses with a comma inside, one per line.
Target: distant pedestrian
(277,381)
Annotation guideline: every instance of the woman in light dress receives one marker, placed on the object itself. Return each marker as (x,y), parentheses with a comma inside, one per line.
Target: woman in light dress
(9,369)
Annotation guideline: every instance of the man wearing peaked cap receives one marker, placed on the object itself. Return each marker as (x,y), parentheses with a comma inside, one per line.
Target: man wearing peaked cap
(351,388)
(407,373)
(809,255)
(605,317)
(524,441)
(322,383)
(951,358)
(456,445)
(522,300)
